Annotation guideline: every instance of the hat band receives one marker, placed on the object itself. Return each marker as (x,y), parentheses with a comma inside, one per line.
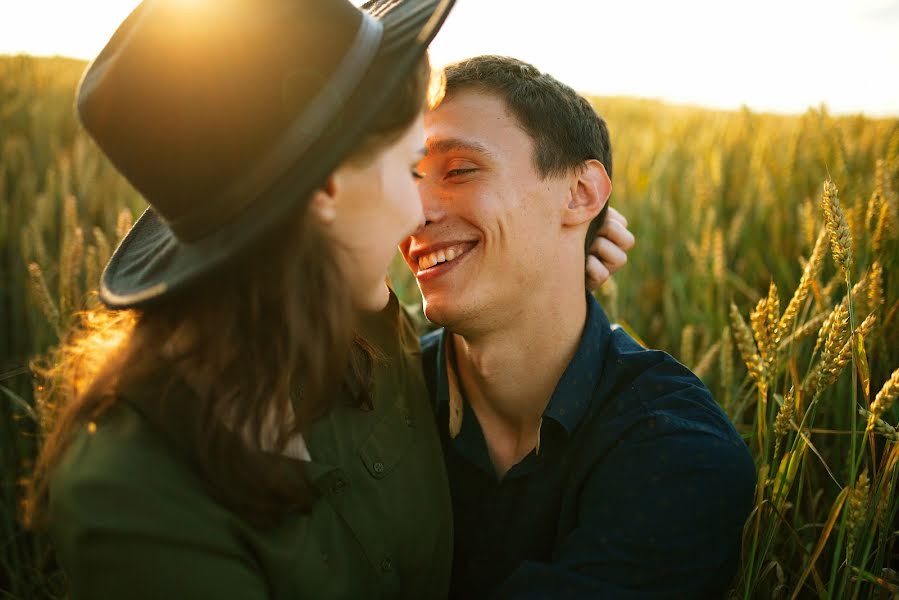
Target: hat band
(305,130)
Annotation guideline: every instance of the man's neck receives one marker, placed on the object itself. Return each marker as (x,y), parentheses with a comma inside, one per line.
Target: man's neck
(509,374)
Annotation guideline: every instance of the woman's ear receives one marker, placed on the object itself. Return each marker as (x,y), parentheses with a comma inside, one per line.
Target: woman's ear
(590,190)
(323,204)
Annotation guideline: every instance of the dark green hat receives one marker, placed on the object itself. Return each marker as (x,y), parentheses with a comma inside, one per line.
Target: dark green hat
(226,114)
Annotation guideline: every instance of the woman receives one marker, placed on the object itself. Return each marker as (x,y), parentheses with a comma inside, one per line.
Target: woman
(250,420)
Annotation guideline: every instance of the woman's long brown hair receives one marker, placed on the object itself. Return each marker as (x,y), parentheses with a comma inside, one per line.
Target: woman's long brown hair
(243,344)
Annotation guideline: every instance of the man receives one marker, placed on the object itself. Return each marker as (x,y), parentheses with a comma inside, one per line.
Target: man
(581,464)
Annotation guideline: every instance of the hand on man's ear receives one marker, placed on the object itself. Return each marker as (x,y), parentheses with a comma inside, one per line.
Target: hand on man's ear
(608,252)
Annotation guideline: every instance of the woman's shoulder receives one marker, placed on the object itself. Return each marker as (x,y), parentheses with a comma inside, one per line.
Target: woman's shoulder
(128,518)
(120,447)
(118,473)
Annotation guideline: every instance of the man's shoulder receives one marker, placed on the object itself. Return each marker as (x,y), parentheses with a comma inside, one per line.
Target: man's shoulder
(650,386)
(654,410)
(653,373)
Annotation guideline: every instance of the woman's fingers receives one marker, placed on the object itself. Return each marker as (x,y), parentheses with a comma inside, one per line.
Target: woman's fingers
(614,215)
(608,252)
(597,273)
(616,231)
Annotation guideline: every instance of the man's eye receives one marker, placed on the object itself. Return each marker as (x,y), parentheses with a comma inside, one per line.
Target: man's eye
(416,174)
(458,172)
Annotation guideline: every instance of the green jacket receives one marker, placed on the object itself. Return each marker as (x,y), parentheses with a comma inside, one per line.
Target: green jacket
(131,520)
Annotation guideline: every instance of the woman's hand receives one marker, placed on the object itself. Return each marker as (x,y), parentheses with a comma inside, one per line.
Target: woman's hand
(608,253)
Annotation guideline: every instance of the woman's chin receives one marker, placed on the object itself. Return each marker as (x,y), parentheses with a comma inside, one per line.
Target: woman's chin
(375,300)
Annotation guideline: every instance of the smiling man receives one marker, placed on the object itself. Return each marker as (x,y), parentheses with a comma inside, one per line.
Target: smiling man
(581,464)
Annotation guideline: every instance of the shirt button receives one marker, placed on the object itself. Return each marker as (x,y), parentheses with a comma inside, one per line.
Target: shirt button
(386,565)
(378,467)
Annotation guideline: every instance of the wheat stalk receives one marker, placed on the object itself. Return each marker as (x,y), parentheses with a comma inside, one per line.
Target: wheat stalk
(783,418)
(837,228)
(856,509)
(719,262)
(726,364)
(705,363)
(809,274)
(746,346)
(764,321)
(884,399)
(806,329)
(104,251)
(858,290)
(830,370)
(41,294)
(837,328)
(772,319)
(880,426)
(872,211)
(875,286)
(808,221)
(686,345)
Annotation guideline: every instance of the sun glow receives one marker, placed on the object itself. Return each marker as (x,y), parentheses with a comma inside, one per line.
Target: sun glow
(766,54)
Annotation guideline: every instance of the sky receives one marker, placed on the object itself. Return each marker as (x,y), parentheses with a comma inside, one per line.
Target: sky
(770,55)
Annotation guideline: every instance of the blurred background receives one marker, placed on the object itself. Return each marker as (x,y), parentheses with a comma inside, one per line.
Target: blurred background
(726,120)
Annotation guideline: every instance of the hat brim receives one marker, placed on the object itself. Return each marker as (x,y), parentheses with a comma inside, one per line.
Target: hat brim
(151,263)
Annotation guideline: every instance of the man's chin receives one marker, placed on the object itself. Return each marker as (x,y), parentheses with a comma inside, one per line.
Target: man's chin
(439,311)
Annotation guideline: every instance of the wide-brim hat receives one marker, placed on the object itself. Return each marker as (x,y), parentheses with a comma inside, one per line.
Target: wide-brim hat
(226,114)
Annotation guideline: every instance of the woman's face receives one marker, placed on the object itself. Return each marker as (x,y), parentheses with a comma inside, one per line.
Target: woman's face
(369,209)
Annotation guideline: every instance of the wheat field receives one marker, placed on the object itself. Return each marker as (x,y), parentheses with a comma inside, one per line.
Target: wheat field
(767,260)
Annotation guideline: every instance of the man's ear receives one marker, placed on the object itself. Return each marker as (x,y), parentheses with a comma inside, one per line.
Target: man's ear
(589,191)
(323,203)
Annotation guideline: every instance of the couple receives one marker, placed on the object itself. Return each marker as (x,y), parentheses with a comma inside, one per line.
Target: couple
(263,422)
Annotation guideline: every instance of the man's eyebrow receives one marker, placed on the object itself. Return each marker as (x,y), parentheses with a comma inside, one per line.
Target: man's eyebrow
(444,145)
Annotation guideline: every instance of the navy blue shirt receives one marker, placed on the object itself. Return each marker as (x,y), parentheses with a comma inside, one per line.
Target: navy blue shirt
(639,487)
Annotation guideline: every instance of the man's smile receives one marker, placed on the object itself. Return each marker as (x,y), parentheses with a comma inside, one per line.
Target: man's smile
(435,259)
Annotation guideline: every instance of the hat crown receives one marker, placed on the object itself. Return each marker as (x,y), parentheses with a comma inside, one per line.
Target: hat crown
(188,94)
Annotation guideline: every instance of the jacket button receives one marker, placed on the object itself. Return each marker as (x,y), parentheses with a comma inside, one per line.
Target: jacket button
(338,486)
(386,565)
(379,468)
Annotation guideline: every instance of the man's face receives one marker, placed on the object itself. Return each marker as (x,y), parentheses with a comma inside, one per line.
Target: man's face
(492,222)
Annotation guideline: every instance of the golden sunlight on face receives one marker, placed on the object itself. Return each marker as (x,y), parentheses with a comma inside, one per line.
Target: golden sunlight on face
(377,205)
(492,223)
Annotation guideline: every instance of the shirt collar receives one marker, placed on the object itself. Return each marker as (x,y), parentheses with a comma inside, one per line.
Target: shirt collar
(571,397)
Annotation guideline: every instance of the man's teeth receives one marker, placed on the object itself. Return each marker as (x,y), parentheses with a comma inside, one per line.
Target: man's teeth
(445,255)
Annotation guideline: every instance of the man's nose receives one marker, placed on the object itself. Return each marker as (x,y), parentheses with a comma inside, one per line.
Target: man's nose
(431,203)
